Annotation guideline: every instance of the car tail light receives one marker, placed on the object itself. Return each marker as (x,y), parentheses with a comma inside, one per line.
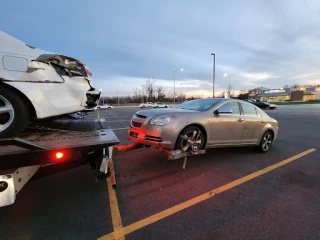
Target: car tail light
(89,74)
(59,155)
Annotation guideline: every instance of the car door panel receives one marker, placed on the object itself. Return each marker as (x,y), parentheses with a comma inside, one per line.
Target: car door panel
(227,129)
(253,124)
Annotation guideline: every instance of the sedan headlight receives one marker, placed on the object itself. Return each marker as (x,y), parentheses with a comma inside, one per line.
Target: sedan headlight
(162,120)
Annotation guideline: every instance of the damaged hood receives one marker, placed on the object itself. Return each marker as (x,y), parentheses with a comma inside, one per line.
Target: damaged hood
(60,60)
(9,44)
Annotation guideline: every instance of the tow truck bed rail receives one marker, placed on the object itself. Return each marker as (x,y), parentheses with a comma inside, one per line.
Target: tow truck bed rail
(38,144)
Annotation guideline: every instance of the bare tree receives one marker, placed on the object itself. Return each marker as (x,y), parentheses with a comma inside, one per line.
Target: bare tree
(160,93)
(136,94)
(149,88)
(181,97)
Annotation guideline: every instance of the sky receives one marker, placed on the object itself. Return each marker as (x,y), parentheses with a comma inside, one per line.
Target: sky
(268,43)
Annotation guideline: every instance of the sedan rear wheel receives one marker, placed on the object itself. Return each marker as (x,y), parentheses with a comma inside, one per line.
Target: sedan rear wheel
(266,142)
(14,113)
(190,138)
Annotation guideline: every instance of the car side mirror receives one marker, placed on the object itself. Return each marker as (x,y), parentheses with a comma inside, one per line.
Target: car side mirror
(223,110)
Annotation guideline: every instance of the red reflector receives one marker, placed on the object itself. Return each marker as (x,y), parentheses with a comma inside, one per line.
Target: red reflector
(89,74)
(59,155)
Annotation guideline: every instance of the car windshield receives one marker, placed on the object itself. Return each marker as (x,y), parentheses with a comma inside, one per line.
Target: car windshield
(199,104)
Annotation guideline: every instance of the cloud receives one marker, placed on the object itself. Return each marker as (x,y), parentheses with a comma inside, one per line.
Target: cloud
(258,43)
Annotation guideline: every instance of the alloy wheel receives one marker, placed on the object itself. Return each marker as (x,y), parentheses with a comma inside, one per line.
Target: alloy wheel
(194,136)
(266,142)
(6,113)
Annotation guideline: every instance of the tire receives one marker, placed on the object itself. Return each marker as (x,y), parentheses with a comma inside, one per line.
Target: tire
(14,112)
(266,142)
(191,132)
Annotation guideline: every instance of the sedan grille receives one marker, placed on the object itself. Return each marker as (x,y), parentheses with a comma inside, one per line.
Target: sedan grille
(153,138)
(135,124)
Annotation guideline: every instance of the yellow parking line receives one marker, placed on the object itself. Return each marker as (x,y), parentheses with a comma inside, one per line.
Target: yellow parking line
(115,213)
(170,211)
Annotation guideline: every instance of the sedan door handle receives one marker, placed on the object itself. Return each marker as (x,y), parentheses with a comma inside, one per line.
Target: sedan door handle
(263,121)
(240,120)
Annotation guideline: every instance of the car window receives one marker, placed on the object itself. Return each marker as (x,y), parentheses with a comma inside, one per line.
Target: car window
(258,112)
(234,106)
(199,104)
(249,110)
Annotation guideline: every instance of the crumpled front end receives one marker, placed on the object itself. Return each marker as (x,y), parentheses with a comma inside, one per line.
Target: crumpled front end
(93,97)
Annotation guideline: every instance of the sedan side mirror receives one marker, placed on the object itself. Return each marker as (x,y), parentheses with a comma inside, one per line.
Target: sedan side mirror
(223,110)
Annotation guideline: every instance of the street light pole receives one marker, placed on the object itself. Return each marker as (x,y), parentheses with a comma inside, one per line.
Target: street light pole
(174,84)
(226,75)
(214,73)
(118,93)
(174,87)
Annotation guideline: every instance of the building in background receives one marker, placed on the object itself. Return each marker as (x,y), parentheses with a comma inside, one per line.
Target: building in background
(296,95)
(317,95)
(275,95)
(309,94)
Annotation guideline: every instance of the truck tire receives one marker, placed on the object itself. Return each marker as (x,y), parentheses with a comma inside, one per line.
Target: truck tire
(14,112)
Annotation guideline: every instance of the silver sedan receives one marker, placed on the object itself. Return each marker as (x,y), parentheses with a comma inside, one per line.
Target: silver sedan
(205,123)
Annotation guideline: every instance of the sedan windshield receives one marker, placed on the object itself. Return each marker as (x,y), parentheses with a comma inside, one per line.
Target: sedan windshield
(199,104)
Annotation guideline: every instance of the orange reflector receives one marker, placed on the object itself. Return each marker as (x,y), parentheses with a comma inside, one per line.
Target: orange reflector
(59,155)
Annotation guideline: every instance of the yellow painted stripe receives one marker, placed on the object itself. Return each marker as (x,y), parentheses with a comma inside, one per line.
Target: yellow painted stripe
(115,213)
(170,211)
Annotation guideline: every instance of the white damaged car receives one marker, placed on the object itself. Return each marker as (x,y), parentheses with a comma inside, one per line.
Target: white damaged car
(36,84)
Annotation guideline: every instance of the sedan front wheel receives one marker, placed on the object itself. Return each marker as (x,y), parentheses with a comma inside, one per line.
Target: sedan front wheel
(196,137)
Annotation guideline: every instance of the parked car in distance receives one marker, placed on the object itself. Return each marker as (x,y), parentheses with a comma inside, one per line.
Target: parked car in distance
(105,106)
(261,104)
(146,104)
(205,123)
(36,84)
(159,105)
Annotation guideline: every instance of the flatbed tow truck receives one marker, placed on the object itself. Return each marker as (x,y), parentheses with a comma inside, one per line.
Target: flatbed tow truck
(88,142)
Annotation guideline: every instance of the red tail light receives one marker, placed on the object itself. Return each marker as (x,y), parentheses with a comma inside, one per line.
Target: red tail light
(89,74)
(59,155)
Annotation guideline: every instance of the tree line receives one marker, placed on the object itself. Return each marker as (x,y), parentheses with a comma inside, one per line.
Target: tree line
(149,92)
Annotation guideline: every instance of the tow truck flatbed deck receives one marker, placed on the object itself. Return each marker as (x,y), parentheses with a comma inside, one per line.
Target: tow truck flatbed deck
(36,145)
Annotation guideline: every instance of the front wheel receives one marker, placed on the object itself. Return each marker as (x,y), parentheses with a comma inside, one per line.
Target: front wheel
(266,142)
(14,113)
(192,133)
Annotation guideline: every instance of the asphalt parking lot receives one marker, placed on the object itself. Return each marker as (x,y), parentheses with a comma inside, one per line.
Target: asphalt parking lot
(226,194)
